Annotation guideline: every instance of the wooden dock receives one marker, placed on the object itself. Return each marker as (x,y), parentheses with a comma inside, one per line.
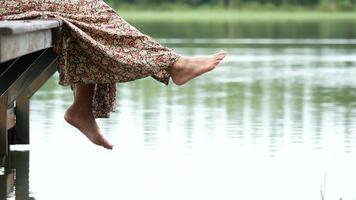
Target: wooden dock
(14,178)
(27,61)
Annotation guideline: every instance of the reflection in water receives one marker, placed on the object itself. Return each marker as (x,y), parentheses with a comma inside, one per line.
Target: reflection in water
(263,100)
(275,121)
(14,181)
(251,29)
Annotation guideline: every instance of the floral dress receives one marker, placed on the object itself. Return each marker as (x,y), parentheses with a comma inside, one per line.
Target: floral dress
(96,46)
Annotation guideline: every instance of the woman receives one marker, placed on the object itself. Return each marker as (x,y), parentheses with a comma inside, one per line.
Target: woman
(96,49)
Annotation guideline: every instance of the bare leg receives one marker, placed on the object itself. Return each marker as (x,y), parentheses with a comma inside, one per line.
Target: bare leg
(80,115)
(187,68)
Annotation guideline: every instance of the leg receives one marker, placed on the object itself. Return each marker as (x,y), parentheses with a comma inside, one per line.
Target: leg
(80,115)
(187,68)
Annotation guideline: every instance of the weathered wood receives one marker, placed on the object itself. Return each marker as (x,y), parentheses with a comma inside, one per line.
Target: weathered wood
(4,160)
(23,82)
(10,118)
(7,183)
(22,120)
(20,37)
(15,175)
(13,46)
(25,26)
(27,61)
(20,82)
(18,76)
(4,143)
(20,162)
(22,101)
(6,65)
(49,67)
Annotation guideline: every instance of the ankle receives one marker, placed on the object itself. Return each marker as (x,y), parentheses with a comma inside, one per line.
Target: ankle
(180,64)
(79,109)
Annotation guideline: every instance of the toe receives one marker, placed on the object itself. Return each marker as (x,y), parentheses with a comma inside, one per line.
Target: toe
(220,58)
(101,141)
(222,52)
(219,53)
(108,146)
(223,56)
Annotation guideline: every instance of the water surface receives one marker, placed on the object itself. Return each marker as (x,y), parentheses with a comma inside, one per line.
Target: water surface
(275,121)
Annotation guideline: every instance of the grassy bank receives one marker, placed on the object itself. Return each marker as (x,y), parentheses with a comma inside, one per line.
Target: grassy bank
(232,15)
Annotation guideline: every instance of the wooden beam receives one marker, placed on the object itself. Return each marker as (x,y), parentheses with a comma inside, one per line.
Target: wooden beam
(21,37)
(25,26)
(22,129)
(42,77)
(36,74)
(27,61)
(20,162)
(10,118)
(7,183)
(21,80)
(39,72)
(13,46)
(4,159)
(14,79)
(4,143)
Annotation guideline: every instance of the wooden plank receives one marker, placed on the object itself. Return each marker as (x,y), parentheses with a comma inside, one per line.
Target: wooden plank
(7,183)
(4,160)
(20,37)
(23,86)
(25,26)
(4,143)
(14,175)
(13,46)
(20,162)
(22,104)
(6,65)
(8,79)
(42,78)
(10,118)
(22,120)
(22,101)
(22,82)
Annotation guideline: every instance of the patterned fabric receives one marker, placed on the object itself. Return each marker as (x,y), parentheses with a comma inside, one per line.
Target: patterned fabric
(96,46)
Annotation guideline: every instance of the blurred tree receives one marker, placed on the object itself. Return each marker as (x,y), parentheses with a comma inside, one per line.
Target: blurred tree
(233,3)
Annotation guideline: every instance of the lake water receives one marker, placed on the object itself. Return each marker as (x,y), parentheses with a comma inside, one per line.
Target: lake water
(277,120)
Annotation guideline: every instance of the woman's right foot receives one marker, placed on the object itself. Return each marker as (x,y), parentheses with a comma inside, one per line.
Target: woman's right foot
(187,68)
(85,122)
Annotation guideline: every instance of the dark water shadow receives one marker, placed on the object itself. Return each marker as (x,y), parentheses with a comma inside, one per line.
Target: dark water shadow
(14,178)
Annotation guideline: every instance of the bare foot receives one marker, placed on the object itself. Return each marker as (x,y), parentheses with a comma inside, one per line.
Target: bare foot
(187,68)
(85,122)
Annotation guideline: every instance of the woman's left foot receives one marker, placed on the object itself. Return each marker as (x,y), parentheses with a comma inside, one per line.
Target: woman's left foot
(187,68)
(85,122)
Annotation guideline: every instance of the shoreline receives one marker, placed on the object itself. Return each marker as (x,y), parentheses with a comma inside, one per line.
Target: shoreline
(233,15)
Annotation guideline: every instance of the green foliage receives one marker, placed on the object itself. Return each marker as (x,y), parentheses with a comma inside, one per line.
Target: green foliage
(345,5)
(205,15)
(324,5)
